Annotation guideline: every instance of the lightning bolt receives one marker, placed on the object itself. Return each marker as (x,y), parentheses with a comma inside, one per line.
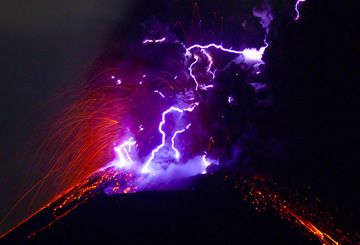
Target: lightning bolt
(172,109)
(146,41)
(297,5)
(122,151)
(250,54)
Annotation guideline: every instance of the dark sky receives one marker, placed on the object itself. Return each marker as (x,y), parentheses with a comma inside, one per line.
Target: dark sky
(45,47)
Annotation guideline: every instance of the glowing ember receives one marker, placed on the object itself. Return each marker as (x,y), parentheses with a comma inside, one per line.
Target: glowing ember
(138,161)
(154,40)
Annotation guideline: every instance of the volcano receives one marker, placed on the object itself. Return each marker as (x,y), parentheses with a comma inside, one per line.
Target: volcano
(210,213)
(167,126)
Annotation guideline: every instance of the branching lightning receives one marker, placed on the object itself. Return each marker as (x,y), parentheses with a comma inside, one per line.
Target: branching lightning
(146,168)
(123,153)
(126,166)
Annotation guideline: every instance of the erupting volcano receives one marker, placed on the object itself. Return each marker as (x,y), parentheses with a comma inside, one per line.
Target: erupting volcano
(183,106)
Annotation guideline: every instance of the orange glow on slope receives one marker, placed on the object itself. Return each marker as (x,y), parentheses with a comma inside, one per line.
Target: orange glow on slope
(260,194)
(82,138)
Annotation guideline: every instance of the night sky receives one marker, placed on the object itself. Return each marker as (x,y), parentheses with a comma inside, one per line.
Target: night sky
(45,49)
(48,49)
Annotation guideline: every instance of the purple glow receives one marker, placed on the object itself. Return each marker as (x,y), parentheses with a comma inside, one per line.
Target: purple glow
(122,151)
(205,87)
(251,54)
(177,153)
(297,5)
(196,55)
(205,163)
(213,45)
(191,72)
(146,167)
(210,63)
(231,99)
(158,92)
(154,40)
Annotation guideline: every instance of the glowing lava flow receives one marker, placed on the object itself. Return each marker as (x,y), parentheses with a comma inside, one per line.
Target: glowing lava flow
(126,174)
(261,194)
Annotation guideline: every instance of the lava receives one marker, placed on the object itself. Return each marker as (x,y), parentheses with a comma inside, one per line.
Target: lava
(264,196)
(92,127)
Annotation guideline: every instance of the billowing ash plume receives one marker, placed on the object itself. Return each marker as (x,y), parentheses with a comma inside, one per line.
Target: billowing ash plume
(265,15)
(207,95)
(187,108)
(173,102)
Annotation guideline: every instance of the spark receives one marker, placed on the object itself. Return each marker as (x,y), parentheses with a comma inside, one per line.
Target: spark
(231,99)
(205,87)
(154,40)
(123,151)
(262,196)
(158,92)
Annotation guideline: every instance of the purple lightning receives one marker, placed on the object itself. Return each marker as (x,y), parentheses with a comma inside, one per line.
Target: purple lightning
(213,45)
(158,92)
(122,151)
(177,153)
(154,40)
(297,5)
(145,168)
(250,55)
(205,163)
(191,71)
(204,87)
(196,52)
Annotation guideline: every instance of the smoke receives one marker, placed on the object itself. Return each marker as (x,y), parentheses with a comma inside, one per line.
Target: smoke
(210,106)
(218,92)
(265,14)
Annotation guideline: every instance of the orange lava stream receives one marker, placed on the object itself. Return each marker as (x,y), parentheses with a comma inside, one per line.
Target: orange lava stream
(260,194)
